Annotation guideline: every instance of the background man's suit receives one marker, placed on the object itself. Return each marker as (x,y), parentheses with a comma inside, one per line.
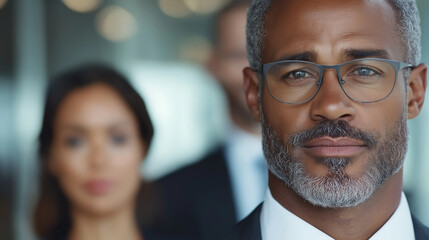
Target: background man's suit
(207,198)
(195,192)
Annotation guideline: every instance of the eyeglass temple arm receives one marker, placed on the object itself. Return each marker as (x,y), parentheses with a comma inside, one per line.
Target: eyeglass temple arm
(406,65)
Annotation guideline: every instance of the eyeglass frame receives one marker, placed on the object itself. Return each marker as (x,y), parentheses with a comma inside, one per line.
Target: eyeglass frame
(397,65)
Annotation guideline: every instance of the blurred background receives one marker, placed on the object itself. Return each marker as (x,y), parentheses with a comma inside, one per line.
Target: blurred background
(161,46)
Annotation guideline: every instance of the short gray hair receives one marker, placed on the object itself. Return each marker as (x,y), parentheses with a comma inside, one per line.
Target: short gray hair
(408,27)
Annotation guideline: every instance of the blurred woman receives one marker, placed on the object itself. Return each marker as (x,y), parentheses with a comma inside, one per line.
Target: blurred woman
(96,131)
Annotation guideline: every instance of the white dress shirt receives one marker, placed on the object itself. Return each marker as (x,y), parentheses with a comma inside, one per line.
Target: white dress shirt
(277,223)
(247,170)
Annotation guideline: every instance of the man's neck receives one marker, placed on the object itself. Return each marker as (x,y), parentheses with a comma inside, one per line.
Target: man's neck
(360,222)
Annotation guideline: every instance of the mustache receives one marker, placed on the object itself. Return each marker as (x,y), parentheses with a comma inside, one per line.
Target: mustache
(334,129)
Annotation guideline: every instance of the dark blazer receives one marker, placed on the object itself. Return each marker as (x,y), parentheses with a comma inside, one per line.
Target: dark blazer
(250,228)
(197,201)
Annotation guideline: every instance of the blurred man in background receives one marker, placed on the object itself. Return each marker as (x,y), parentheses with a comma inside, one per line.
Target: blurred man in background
(208,197)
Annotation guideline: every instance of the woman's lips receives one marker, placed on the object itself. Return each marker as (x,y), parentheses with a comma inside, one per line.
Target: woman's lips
(334,147)
(98,187)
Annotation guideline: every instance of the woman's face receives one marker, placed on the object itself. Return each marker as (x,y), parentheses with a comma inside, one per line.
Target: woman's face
(97,150)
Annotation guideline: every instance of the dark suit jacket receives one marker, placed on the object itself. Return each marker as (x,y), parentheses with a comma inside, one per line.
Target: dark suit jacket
(197,201)
(250,228)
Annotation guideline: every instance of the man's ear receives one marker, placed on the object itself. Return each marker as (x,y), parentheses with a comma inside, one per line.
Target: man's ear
(416,90)
(251,87)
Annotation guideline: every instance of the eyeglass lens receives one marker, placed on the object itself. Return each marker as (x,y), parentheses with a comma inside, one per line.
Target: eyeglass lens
(363,81)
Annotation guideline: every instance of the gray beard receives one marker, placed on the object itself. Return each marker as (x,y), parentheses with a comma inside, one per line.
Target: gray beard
(337,189)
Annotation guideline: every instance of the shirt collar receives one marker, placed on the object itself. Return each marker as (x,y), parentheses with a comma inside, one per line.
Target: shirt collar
(399,226)
(278,223)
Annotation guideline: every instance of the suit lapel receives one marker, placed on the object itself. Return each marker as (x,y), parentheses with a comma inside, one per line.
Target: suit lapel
(420,231)
(250,227)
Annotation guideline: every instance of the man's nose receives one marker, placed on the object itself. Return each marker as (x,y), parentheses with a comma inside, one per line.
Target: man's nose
(331,103)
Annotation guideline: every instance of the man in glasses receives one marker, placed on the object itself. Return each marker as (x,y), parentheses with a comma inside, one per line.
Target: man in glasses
(333,83)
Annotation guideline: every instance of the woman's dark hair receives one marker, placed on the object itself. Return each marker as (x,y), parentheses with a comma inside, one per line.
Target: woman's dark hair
(52,216)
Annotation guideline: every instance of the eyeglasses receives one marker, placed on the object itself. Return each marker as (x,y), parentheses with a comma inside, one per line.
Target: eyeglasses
(363,80)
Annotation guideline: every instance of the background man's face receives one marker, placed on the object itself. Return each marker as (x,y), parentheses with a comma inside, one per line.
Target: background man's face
(229,57)
(328,30)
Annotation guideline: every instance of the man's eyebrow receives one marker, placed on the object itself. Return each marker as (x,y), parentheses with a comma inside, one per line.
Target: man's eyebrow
(304,56)
(365,53)
(349,54)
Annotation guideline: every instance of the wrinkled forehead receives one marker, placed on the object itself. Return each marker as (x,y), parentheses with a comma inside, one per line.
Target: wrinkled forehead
(330,27)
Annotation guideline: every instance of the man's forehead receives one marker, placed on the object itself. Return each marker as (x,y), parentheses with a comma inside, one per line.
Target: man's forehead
(308,9)
(331,27)
(296,4)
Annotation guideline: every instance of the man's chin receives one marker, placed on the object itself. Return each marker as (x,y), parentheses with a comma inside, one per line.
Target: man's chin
(334,191)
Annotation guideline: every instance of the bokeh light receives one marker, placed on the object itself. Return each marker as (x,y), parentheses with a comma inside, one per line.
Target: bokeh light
(195,49)
(205,6)
(115,23)
(174,8)
(82,6)
(2,3)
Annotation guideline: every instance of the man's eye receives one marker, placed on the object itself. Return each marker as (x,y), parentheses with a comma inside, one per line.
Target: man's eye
(74,142)
(298,78)
(364,72)
(298,74)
